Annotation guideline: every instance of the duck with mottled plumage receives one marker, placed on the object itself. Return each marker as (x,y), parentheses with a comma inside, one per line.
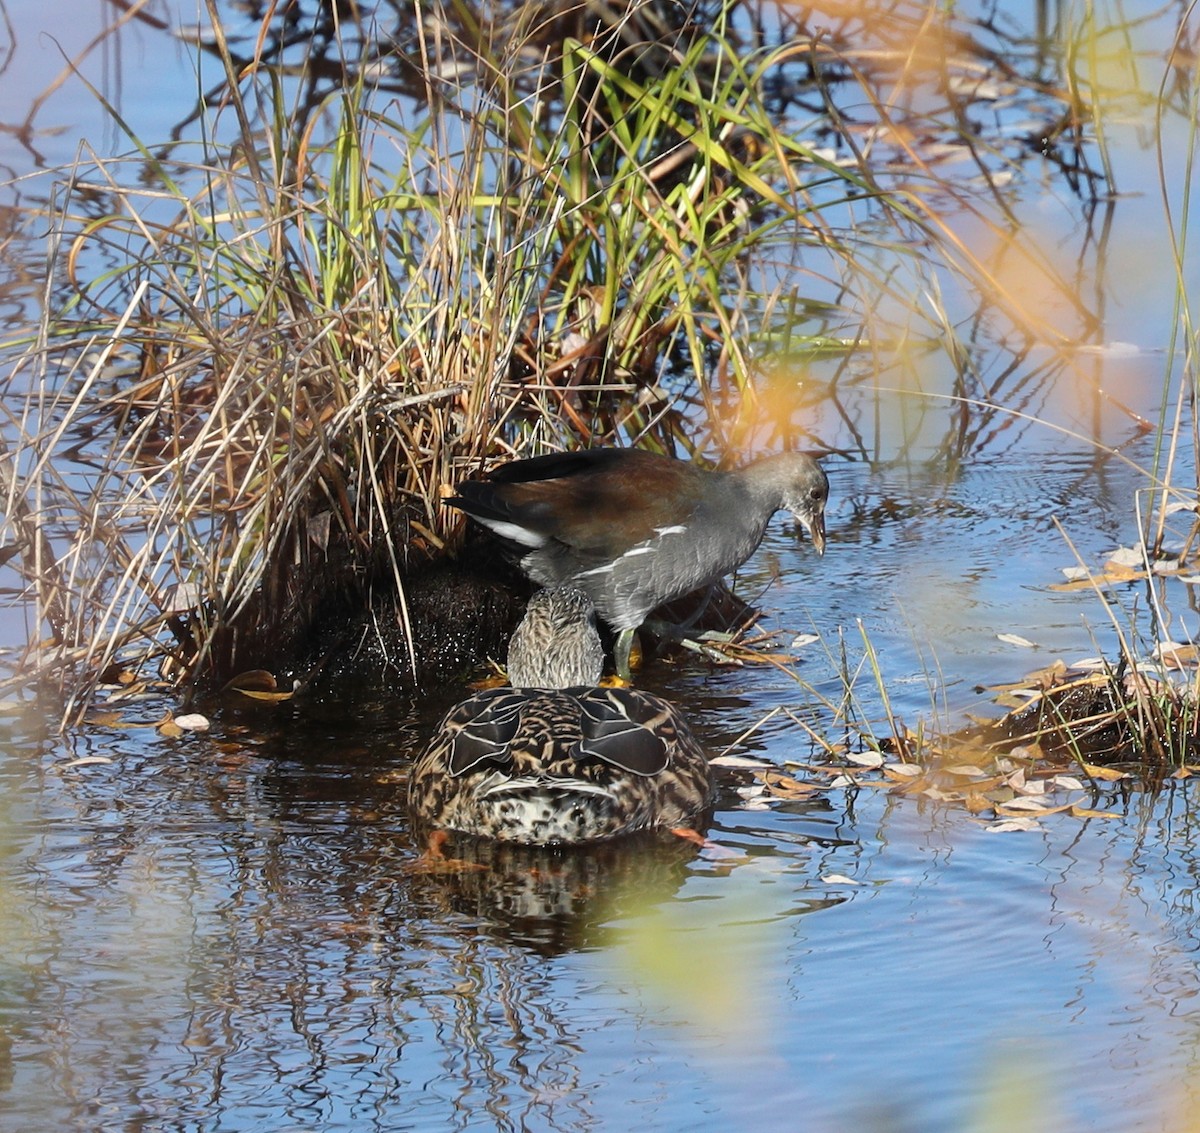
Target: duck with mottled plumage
(554,759)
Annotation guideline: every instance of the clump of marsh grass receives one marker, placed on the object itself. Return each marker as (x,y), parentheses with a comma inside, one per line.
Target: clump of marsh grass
(258,373)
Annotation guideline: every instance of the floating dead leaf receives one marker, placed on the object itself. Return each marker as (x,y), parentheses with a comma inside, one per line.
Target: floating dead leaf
(738,761)
(803,639)
(1176,655)
(1016,639)
(989,783)
(83,761)
(259,679)
(1109,774)
(1084,812)
(1017,699)
(905,771)
(839,879)
(1166,567)
(1067,587)
(169,729)
(1112,571)
(259,694)
(976,803)
(864,758)
(941,796)
(1126,557)
(1011,825)
(1031,788)
(967,770)
(785,787)
(1032,807)
(1037,681)
(1180,773)
(1067,783)
(117,674)
(193,722)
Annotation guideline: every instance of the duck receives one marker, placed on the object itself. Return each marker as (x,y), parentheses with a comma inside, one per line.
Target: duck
(553,759)
(634,529)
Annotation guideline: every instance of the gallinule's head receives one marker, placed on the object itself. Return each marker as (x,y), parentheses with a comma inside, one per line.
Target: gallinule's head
(800,486)
(633,529)
(557,644)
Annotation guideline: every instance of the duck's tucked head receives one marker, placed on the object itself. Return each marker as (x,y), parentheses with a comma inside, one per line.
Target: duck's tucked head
(557,644)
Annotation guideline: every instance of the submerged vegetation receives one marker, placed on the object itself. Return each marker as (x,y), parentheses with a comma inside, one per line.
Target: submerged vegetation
(269,343)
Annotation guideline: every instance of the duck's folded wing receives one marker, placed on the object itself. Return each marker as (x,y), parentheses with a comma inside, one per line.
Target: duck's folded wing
(622,727)
(482,728)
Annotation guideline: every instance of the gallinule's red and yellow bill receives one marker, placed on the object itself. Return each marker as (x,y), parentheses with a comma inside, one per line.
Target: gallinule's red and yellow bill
(633,529)
(554,759)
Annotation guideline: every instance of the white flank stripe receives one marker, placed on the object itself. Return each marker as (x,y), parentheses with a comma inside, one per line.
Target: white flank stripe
(606,569)
(676,530)
(515,532)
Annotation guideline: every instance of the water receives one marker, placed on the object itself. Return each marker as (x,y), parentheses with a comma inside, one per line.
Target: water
(228,932)
(209,935)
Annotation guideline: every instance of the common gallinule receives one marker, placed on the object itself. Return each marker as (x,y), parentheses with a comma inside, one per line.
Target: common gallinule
(554,759)
(633,529)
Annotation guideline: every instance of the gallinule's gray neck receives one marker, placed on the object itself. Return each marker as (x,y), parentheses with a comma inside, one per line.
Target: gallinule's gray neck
(547,763)
(633,529)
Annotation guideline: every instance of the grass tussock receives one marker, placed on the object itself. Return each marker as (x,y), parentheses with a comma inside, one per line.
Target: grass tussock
(267,351)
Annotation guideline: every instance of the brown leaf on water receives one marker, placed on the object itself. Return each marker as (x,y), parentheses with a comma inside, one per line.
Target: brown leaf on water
(1043,679)
(1011,700)
(1175,656)
(990,783)
(785,787)
(1084,812)
(1112,571)
(169,729)
(255,694)
(117,674)
(941,796)
(259,680)
(1109,774)
(976,803)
